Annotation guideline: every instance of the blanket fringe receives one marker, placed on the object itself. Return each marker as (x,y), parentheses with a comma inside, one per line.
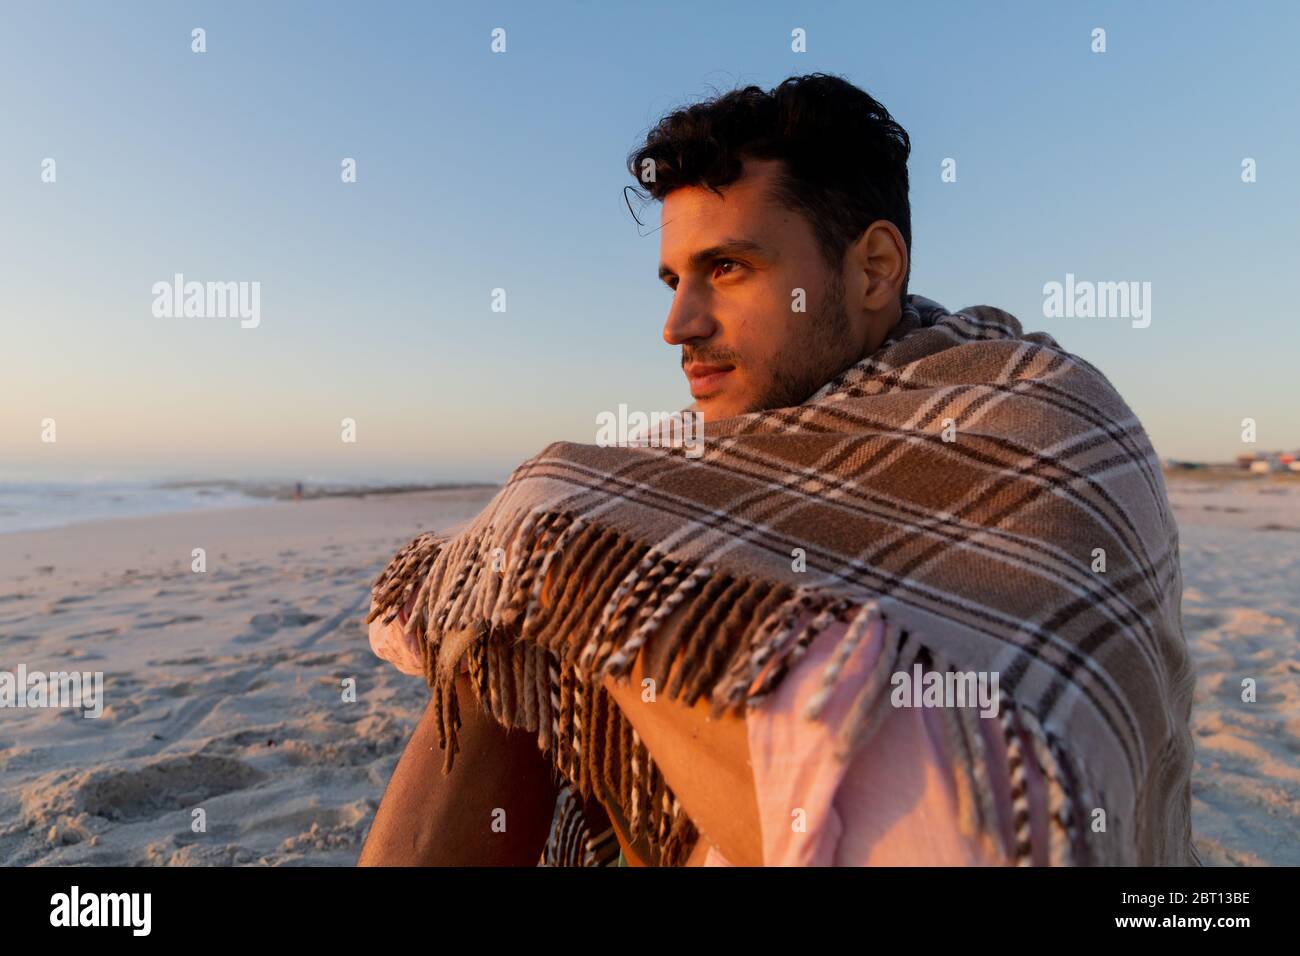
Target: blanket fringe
(555,603)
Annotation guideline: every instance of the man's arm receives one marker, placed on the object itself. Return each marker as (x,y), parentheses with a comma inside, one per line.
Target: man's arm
(705,761)
(427,818)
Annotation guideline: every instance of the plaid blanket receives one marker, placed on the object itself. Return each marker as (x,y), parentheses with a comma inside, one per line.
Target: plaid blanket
(984,492)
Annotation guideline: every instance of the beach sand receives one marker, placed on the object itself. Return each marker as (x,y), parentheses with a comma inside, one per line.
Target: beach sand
(223,688)
(1240,547)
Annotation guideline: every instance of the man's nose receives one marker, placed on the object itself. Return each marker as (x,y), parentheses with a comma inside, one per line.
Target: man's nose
(689,319)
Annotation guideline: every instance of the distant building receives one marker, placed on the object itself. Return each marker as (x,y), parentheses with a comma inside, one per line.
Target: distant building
(1266,462)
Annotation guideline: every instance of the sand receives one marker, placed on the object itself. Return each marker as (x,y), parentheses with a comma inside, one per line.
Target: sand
(1240,545)
(224,688)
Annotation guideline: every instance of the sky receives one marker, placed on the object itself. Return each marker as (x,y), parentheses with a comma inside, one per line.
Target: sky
(478,170)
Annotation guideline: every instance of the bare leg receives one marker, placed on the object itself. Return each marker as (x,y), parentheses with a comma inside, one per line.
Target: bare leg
(430,819)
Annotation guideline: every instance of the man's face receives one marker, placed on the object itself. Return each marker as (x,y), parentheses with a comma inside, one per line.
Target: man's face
(735,262)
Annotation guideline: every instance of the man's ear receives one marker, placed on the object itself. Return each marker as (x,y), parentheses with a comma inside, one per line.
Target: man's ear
(881,256)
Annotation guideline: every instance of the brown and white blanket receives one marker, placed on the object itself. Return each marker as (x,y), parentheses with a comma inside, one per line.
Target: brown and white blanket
(986,493)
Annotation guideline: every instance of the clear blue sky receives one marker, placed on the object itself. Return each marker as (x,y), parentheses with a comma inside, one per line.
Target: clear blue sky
(479,170)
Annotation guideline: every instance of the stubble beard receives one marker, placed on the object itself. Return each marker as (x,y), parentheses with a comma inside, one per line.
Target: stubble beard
(821,354)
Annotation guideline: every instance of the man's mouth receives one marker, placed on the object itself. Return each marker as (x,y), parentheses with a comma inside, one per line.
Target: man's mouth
(706,380)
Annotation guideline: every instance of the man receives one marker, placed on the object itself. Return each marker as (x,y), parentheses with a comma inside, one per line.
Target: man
(631,626)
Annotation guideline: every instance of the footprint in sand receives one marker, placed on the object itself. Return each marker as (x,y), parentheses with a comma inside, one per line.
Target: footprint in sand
(267,623)
(86,635)
(163,786)
(320,660)
(182,619)
(233,592)
(181,661)
(1201,620)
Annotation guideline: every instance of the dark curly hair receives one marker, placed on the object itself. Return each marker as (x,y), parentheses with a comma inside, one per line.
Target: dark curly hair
(845,156)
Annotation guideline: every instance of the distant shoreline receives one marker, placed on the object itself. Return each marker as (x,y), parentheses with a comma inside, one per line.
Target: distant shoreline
(284,491)
(1227,472)
(33,506)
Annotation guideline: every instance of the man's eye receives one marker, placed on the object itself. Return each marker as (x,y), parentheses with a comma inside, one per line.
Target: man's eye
(725,262)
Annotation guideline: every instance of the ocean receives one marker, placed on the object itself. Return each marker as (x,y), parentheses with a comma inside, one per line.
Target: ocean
(30,506)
